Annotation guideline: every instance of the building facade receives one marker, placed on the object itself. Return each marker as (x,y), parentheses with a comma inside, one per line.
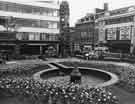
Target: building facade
(116,28)
(64,29)
(85,35)
(113,28)
(29,27)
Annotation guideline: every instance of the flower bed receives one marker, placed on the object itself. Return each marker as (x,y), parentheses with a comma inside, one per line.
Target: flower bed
(22,68)
(126,72)
(50,93)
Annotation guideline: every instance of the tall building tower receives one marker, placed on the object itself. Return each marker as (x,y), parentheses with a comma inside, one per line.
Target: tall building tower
(64,15)
(64,28)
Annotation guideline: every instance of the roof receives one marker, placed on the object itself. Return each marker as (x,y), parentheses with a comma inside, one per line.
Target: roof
(122,10)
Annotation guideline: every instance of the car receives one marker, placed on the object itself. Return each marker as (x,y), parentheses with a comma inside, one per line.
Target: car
(90,55)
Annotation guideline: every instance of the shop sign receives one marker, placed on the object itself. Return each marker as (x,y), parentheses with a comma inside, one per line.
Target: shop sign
(125,33)
(111,34)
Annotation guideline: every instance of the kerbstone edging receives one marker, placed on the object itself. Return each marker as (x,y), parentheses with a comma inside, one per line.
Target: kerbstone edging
(113,78)
(37,76)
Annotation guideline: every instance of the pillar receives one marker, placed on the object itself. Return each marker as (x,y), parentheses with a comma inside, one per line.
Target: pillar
(132,37)
(101,32)
(57,49)
(41,50)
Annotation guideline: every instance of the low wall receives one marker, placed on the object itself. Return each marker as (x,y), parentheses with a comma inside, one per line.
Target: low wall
(107,76)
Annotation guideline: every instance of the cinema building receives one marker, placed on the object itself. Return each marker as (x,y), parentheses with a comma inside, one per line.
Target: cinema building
(117,29)
(28,27)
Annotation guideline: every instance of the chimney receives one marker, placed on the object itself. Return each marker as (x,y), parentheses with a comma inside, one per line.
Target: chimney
(105,6)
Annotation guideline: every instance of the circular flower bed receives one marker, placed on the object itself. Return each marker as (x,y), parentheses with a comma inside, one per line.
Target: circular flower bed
(125,71)
(50,93)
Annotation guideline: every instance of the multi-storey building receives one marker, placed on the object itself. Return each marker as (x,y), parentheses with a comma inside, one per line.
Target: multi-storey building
(117,29)
(113,28)
(64,29)
(28,27)
(84,35)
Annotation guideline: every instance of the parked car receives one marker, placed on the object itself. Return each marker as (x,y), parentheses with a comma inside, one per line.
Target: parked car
(91,55)
(101,51)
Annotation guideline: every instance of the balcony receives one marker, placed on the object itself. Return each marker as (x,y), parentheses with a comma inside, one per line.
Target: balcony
(28,16)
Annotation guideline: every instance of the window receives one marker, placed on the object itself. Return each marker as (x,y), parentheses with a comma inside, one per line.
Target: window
(25,36)
(35,10)
(19,36)
(47,37)
(55,13)
(31,36)
(37,36)
(2,6)
(44,24)
(43,36)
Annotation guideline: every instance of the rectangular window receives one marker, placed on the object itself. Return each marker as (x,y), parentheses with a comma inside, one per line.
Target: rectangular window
(43,36)
(125,33)
(19,36)
(31,36)
(111,34)
(37,36)
(24,36)
(44,24)
(36,10)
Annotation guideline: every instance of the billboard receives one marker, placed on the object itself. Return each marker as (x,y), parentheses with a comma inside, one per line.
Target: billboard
(125,33)
(111,34)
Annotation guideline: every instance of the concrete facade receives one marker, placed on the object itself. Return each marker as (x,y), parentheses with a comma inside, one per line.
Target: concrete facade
(113,28)
(29,27)
(117,29)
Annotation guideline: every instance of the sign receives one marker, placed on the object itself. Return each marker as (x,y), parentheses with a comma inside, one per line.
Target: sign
(111,34)
(125,33)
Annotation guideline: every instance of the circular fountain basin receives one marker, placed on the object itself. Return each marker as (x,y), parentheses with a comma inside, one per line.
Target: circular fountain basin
(90,76)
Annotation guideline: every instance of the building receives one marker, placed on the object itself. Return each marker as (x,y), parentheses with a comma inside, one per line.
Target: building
(85,35)
(64,29)
(28,27)
(117,29)
(112,28)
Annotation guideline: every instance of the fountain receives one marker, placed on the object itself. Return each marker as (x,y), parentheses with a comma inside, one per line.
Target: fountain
(83,76)
(75,76)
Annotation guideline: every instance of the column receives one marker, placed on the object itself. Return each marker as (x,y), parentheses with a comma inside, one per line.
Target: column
(57,49)
(101,33)
(41,50)
(132,37)
(17,49)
